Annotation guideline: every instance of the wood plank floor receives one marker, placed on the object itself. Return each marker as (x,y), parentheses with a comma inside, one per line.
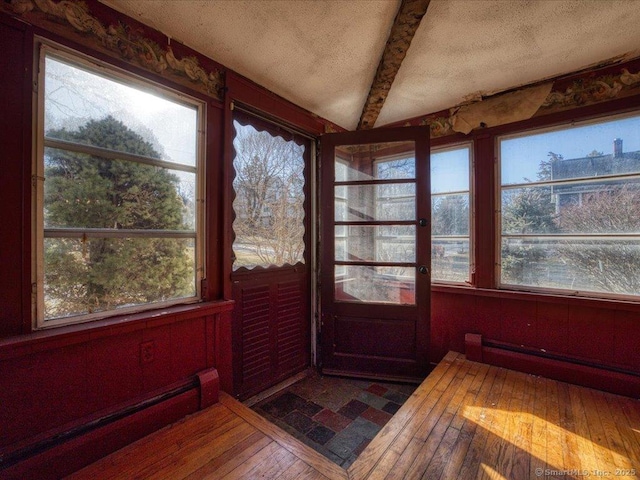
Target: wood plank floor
(467,420)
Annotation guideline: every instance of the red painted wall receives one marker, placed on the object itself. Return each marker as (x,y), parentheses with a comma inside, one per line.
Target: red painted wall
(600,332)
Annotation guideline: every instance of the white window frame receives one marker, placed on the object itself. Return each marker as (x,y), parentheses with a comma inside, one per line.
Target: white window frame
(469,191)
(498,213)
(46,48)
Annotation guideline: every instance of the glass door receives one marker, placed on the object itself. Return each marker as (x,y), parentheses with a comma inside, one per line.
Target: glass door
(375,265)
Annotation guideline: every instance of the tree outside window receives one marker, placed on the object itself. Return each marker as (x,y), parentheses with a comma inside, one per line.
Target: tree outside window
(117,185)
(575,225)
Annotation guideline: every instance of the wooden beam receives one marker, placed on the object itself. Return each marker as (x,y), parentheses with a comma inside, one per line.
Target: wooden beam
(404,28)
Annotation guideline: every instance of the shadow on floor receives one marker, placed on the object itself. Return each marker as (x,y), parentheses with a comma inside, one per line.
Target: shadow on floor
(335,416)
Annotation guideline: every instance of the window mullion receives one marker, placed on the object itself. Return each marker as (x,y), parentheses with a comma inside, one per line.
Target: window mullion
(114,154)
(113,233)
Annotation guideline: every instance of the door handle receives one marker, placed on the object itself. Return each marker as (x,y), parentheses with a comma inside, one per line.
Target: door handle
(422,222)
(423,270)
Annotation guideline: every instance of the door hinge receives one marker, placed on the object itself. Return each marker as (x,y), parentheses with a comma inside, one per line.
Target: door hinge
(204,288)
(34,288)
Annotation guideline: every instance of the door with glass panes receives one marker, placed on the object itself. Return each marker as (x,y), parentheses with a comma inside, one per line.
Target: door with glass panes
(375,253)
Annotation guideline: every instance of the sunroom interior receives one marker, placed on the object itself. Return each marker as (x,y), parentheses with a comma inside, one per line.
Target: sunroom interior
(206,200)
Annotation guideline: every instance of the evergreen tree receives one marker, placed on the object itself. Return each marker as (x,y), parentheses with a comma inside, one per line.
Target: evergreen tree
(84,191)
(527,210)
(450,215)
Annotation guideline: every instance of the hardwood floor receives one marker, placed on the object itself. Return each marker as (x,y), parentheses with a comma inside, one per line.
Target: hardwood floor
(467,420)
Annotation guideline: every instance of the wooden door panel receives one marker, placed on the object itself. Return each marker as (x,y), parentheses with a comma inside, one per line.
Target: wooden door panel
(362,336)
(272,333)
(271,274)
(292,329)
(253,316)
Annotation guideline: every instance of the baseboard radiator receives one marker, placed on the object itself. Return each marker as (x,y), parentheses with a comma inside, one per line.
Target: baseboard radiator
(558,367)
(57,454)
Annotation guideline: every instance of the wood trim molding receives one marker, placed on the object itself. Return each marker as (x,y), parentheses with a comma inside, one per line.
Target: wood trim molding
(557,367)
(122,39)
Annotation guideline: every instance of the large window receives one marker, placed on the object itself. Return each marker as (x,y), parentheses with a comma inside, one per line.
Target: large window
(118,200)
(570,199)
(450,214)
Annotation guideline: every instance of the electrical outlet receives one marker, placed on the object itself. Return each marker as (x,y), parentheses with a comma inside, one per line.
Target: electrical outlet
(147,351)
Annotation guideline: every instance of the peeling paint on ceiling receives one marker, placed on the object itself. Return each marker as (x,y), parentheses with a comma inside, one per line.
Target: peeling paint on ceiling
(322,55)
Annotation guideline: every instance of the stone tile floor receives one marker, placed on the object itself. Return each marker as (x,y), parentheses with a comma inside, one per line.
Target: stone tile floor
(337,417)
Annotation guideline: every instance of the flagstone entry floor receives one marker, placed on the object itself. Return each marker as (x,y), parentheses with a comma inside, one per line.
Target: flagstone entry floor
(337,417)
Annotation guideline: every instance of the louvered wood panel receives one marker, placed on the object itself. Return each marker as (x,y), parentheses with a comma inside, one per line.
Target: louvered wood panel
(291,329)
(256,336)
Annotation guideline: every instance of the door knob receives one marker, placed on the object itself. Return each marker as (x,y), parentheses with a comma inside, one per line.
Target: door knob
(423,270)
(422,222)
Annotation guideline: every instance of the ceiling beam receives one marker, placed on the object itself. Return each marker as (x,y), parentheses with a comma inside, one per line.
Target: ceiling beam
(404,28)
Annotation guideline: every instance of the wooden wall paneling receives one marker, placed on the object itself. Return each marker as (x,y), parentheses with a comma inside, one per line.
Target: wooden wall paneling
(156,357)
(15,98)
(553,327)
(591,333)
(223,351)
(626,332)
(189,351)
(487,316)
(114,370)
(518,321)
(37,391)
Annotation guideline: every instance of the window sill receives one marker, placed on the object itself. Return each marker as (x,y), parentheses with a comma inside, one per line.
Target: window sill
(60,337)
(590,302)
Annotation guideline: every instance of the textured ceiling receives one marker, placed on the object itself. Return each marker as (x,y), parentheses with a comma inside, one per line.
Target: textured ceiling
(323,54)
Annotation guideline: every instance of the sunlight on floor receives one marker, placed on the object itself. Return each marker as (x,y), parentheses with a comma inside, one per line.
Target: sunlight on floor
(527,432)
(490,473)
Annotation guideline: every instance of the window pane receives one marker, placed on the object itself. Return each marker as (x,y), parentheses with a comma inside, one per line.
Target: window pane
(375,284)
(375,202)
(450,260)
(606,148)
(84,191)
(450,170)
(529,210)
(84,107)
(380,161)
(377,244)
(103,274)
(602,207)
(580,208)
(269,203)
(450,214)
(607,265)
